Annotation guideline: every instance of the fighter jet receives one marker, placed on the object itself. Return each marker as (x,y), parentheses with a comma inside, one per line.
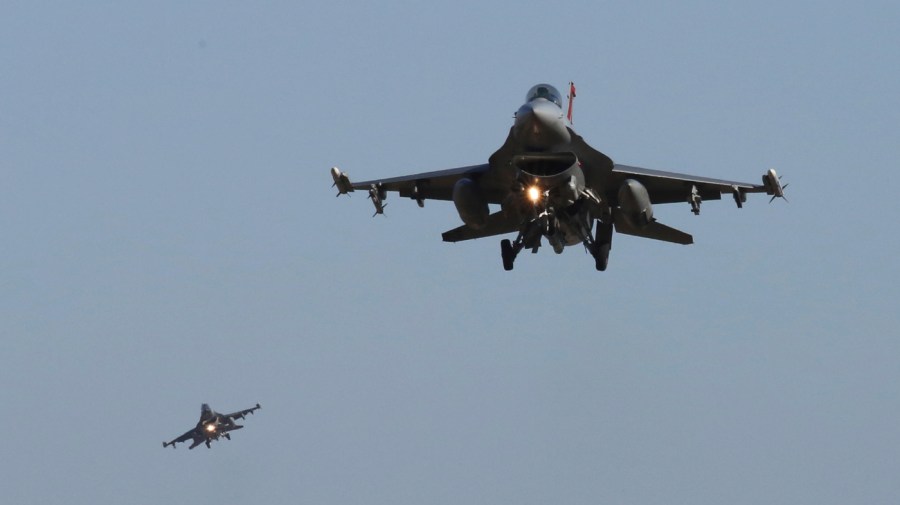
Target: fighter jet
(211,426)
(549,183)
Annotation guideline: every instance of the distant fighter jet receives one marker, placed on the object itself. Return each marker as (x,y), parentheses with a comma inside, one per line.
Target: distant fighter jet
(211,426)
(551,184)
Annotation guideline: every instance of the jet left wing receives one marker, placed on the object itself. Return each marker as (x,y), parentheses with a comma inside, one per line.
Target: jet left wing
(671,187)
(242,413)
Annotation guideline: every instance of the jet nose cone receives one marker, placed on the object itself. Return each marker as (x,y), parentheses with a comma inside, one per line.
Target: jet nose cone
(544,111)
(539,125)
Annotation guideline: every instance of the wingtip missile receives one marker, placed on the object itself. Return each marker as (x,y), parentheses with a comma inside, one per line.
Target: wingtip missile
(341,181)
(772,182)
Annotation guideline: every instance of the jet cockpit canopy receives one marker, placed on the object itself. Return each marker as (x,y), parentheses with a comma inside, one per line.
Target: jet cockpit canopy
(546,92)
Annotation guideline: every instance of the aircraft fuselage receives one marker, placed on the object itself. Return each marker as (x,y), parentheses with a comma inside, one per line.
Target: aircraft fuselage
(540,126)
(551,184)
(550,187)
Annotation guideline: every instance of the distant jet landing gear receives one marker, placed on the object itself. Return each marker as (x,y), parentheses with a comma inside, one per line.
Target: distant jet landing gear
(602,244)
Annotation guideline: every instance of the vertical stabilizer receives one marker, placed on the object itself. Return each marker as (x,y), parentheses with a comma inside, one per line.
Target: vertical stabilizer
(571,100)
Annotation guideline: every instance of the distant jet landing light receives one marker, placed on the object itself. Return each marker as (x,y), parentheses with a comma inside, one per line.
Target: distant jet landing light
(534,194)
(211,426)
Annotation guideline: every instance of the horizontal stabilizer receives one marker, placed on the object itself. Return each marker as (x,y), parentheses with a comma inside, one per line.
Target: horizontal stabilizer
(498,223)
(654,230)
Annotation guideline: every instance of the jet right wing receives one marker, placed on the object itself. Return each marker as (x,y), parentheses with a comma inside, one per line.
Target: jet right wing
(191,434)
(437,185)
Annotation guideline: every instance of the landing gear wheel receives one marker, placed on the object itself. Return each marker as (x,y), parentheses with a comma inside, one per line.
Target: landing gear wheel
(602,245)
(508,254)
(601,256)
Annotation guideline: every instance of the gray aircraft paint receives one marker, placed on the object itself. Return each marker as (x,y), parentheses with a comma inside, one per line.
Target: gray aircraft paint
(212,426)
(549,183)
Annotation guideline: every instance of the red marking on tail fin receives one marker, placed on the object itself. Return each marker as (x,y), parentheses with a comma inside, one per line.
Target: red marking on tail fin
(571,100)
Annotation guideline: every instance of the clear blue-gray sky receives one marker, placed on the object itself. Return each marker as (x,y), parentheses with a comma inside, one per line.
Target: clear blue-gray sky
(170,238)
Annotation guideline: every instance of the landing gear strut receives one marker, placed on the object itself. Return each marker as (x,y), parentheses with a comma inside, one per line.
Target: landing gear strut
(529,236)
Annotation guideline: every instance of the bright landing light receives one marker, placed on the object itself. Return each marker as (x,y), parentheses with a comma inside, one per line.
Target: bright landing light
(534,194)
(211,427)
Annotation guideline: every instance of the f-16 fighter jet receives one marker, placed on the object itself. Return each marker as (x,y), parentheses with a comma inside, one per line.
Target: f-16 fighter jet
(549,183)
(211,426)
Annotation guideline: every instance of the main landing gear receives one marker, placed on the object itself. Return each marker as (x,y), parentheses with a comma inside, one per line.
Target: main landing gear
(508,253)
(601,245)
(529,237)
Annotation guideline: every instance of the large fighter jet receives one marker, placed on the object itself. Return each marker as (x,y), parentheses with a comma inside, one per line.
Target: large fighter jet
(551,184)
(211,426)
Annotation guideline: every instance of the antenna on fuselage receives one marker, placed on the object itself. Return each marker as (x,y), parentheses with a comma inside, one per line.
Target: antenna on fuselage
(571,100)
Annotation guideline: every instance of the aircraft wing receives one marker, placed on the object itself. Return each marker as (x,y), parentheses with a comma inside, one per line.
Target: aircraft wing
(242,413)
(671,187)
(188,435)
(437,185)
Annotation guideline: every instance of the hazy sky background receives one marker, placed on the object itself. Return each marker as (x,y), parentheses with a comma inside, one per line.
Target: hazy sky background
(170,238)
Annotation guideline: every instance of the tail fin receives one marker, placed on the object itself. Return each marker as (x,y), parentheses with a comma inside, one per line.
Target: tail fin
(571,100)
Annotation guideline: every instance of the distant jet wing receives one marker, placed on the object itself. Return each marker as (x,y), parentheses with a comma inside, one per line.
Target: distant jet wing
(183,438)
(242,413)
(671,187)
(497,224)
(436,185)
